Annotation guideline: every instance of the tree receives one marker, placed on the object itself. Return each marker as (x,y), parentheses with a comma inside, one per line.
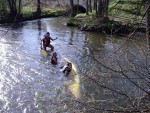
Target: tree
(19,8)
(14,7)
(90,6)
(3,9)
(87,7)
(95,6)
(38,7)
(77,6)
(106,7)
(148,23)
(100,8)
(71,8)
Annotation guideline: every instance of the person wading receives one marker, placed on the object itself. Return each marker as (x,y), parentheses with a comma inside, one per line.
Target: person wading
(46,42)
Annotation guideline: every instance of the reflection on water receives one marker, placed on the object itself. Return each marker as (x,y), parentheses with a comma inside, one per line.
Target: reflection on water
(30,83)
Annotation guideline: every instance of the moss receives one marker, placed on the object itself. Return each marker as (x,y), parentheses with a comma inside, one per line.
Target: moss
(72,21)
(88,22)
(53,11)
(81,15)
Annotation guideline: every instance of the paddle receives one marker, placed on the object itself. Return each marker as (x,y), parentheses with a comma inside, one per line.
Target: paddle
(44,53)
(55,39)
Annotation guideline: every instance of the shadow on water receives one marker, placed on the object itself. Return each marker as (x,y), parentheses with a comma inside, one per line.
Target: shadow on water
(30,83)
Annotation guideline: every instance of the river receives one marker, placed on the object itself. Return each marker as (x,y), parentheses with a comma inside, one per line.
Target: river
(29,83)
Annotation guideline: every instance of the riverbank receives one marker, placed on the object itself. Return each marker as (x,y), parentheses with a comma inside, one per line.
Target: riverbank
(123,17)
(105,24)
(29,14)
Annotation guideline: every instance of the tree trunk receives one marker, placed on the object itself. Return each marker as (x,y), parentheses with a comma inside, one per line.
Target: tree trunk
(87,8)
(90,6)
(38,11)
(148,23)
(12,7)
(95,5)
(77,6)
(19,8)
(100,8)
(71,8)
(106,8)
(3,5)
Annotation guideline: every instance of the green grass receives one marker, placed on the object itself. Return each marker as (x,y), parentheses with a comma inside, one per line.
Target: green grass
(126,8)
(30,10)
(86,20)
(73,21)
(81,15)
(53,11)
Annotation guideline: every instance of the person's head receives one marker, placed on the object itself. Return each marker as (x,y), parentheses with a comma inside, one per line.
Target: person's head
(55,54)
(69,64)
(47,34)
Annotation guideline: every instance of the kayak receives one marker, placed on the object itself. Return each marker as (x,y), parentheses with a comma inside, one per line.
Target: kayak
(74,86)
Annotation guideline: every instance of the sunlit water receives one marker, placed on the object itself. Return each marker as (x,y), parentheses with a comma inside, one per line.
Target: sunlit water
(29,83)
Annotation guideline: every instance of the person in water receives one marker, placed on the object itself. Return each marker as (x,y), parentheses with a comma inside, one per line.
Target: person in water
(67,68)
(46,42)
(54,58)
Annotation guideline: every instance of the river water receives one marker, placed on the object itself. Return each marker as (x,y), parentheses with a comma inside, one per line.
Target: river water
(29,83)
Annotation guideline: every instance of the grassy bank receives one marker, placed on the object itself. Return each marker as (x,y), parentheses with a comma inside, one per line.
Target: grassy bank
(29,13)
(123,16)
(131,9)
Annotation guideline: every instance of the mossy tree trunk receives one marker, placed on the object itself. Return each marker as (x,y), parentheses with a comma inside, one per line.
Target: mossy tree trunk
(38,11)
(87,7)
(90,5)
(100,9)
(71,8)
(148,23)
(12,7)
(95,6)
(77,6)
(19,8)
(106,7)
(3,5)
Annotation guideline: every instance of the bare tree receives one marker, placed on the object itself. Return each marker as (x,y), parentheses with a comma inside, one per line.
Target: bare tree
(71,7)
(12,7)
(90,5)
(87,7)
(100,8)
(38,7)
(77,6)
(148,23)
(95,6)
(106,7)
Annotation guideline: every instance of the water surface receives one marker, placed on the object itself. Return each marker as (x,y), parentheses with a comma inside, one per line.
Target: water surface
(29,83)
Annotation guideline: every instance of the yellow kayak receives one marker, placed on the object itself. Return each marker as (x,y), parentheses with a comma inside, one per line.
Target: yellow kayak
(74,86)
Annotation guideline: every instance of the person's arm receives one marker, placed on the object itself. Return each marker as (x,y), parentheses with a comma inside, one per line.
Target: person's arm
(42,40)
(53,39)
